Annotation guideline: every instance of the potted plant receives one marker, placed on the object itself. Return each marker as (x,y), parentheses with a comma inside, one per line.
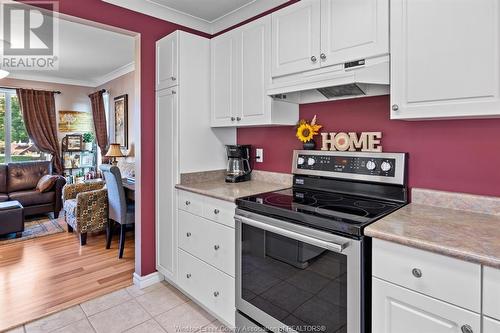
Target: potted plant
(306,132)
(88,140)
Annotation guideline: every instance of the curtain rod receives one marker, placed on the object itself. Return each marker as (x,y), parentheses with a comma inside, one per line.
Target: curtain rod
(13,88)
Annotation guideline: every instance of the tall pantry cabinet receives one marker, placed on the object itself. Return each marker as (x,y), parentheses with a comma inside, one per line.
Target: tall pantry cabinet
(185,142)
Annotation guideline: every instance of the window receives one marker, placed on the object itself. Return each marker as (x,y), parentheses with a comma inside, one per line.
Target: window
(15,144)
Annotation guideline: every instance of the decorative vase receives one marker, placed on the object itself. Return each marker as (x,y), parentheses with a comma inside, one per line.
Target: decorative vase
(310,145)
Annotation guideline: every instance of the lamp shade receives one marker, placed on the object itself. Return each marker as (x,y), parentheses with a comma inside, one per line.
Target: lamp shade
(3,73)
(114,150)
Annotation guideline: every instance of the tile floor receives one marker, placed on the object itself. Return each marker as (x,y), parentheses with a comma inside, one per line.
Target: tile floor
(157,309)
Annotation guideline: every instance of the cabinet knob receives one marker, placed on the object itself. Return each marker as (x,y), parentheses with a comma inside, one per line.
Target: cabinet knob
(216,211)
(395,107)
(233,119)
(467,329)
(188,202)
(416,272)
(216,247)
(238,118)
(322,56)
(174,92)
(216,294)
(188,234)
(173,78)
(314,59)
(188,275)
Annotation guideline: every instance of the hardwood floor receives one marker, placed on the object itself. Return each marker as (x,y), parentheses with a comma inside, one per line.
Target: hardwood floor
(45,275)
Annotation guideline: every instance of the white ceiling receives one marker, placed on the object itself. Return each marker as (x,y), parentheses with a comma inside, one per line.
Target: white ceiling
(208,10)
(210,16)
(88,56)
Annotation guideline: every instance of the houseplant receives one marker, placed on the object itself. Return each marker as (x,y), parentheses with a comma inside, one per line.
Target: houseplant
(306,131)
(88,140)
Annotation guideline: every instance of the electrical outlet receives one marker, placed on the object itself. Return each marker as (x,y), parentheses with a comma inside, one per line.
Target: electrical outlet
(259,155)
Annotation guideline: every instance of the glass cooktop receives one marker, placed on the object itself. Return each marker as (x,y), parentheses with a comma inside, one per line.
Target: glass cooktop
(324,210)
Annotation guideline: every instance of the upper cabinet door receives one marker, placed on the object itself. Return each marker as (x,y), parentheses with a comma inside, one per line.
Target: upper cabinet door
(224,77)
(167,69)
(255,71)
(353,29)
(296,38)
(445,59)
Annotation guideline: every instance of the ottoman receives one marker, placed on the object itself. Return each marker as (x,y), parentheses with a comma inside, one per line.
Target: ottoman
(11,218)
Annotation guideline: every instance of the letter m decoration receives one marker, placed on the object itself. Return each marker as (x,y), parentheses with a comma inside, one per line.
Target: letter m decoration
(28,30)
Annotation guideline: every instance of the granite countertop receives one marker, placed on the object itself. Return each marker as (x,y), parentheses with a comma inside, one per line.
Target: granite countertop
(463,226)
(212,184)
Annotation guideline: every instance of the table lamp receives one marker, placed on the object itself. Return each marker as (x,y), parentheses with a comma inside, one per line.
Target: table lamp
(114,151)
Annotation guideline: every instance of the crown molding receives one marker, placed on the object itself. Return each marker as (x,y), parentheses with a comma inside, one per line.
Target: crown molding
(151,8)
(115,74)
(52,79)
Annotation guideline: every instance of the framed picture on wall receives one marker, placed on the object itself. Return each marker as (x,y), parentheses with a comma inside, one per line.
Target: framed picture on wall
(121,121)
(72,142)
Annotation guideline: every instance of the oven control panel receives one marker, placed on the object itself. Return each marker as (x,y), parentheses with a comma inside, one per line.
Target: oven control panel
(380,167)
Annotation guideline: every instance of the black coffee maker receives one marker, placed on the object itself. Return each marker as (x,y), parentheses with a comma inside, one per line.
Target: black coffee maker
(238,163)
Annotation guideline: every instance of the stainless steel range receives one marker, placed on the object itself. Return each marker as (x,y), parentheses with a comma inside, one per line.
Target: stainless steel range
(302,260)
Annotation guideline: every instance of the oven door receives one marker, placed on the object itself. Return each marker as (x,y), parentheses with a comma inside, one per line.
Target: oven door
(293,278)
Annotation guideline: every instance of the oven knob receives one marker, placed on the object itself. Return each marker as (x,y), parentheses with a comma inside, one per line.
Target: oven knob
(310,161)
(385,166)
(370,165)
(300,161)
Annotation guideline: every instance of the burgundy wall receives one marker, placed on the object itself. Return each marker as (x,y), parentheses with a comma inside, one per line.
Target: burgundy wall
(151,29)
(451,155)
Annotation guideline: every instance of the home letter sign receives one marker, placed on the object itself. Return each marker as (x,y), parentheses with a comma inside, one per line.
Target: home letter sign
(366,141)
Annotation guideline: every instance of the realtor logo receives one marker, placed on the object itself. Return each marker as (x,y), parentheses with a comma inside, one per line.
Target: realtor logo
(29,35)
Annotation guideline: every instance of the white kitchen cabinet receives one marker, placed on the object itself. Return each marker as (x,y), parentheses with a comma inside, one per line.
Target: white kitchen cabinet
(167,69)
(490,325)
(296,38)
(353,30)
(241,74)
(491,292)
(184,141)
(167,166)
(396,310)
(445,59)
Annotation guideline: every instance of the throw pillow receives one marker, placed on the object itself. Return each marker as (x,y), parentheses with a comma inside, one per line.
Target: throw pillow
(46,183)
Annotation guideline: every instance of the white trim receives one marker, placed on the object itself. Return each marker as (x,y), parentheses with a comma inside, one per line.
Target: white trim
(120,71)
(52,79)
(145,281)
(152,8)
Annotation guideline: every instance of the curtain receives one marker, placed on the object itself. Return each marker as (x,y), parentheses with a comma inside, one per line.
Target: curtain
(101,130)
(39,114)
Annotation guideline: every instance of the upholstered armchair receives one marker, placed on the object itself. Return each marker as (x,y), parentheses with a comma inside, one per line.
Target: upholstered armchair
(86,208)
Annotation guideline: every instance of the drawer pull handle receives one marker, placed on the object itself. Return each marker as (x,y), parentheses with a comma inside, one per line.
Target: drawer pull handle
(188,202)
(216,211)
(416,273)
(188,234)
(188,275)
(216,247)
(467,329)
(216,294)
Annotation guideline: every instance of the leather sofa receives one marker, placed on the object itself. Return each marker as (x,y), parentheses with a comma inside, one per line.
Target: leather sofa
(18,181)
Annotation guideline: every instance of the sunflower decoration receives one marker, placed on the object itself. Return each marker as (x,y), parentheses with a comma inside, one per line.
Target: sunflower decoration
(307,130)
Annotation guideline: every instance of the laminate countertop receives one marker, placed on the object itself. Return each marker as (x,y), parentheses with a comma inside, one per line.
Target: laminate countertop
(212,184)
(463,226)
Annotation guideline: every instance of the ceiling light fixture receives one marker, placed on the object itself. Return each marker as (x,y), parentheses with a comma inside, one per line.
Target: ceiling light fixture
(3,74)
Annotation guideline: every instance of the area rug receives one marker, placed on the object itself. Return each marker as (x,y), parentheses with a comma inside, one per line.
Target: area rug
(36,226)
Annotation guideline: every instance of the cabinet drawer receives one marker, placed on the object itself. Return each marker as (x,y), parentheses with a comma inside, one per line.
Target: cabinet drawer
(491,292)
(490,325)
(207,240)
(440,276)
(208,285)
(219,211)
(399,310)
(191,202)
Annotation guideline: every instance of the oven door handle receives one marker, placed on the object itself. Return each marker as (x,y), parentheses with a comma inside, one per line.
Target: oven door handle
(335,247)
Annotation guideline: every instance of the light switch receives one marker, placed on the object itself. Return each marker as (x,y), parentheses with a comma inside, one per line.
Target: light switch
(259,155)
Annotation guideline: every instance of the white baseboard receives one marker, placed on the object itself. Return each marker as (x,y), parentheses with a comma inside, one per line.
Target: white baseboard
(145,281)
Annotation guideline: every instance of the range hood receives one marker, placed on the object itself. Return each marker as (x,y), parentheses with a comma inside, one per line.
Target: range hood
(361,78)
